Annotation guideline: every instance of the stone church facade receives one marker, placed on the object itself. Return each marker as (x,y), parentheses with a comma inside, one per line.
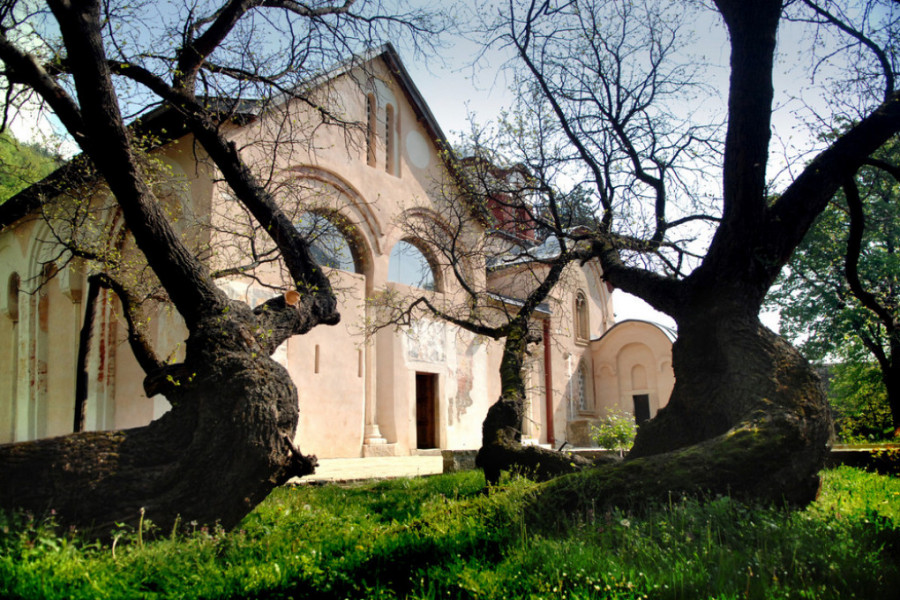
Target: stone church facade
(396,392)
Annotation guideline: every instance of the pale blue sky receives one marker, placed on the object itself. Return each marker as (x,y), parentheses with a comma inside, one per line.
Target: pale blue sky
(454,89)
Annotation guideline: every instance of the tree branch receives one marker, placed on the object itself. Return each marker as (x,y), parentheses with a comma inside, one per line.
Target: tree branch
(879,53)
(851,261)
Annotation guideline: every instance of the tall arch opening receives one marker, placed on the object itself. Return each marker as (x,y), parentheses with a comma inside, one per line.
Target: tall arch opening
(390,140)
(582,318)
(371,128)
(331,241)
(11,370)
(410,266)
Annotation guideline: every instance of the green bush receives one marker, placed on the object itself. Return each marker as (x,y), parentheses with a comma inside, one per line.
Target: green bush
(615,431)
(858,400)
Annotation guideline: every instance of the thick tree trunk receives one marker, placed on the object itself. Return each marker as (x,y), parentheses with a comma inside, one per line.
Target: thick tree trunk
(226,442)
(212,458)
(501,447)
(748,417)
(727,366)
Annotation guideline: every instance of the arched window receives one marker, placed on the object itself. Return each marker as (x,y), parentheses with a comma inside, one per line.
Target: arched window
(371,128)
(409,266)
(582,318)
(329,244)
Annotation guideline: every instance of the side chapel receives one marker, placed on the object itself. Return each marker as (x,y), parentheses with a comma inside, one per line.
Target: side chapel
(399,392)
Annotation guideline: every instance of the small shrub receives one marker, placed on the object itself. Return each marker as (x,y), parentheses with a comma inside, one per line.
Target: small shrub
(615,431)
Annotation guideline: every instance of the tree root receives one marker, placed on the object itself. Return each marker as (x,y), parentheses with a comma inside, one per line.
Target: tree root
(533,462)
(770,458)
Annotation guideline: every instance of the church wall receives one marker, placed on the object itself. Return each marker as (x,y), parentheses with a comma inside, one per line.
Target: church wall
(328,367)
(7,378)
(59,328)
(570,349)
(634,358)
(355,398)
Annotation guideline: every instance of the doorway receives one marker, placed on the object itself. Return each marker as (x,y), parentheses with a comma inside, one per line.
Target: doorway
(641,407)
(426,411)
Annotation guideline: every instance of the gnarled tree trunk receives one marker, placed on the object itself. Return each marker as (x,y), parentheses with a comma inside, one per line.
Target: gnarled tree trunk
(501,442)
(748,417)
(220,450)
(735,376)
(228,439)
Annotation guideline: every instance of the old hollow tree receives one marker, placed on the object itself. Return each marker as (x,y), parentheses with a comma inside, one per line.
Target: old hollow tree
(689,216)
(228,439)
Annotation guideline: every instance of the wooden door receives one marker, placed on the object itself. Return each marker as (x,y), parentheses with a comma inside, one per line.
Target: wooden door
(426,411)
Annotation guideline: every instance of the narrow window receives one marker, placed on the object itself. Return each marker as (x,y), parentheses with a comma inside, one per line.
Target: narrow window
(389,140)
(371,129)
(12,303)
(581,388)
(582,318)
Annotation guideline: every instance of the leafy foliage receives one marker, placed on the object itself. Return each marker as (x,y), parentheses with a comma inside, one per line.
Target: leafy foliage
(859,401)
(615,431)
(829,319)
(21,165)
(817,308)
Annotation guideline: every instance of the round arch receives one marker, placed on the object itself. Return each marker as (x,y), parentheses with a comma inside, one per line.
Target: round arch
(335,243)
(408,259)
(346,200)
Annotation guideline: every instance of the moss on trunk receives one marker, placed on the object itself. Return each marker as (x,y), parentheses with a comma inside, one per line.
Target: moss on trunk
(211,459)
(748,418)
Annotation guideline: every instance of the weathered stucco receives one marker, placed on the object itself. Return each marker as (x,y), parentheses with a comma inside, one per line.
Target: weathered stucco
(356,397)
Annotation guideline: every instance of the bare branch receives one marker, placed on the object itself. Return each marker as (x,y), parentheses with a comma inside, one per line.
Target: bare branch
(877,50)
(851,261)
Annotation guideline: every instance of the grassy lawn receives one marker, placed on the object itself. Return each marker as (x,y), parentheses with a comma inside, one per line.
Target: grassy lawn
(439,537)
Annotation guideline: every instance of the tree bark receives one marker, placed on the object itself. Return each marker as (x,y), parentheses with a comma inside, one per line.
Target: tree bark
(748,418)
(227,440)
(211,459)
(501,439)
(84,344)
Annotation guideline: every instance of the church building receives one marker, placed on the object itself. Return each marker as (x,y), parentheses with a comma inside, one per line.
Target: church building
(353,189)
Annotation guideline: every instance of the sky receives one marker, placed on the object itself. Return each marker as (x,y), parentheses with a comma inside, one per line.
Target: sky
(461,89)
(456,88)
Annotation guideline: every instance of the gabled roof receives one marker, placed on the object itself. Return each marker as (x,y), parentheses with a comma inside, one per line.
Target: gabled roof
(389,55)
(543,307)
(162,123)
(166,125)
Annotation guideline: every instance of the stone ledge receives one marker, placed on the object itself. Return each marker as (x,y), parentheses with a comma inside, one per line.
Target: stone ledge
(378,450)
(880,458)
(458,460)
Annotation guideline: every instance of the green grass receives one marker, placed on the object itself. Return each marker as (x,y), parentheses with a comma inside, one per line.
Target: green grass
(439,537)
